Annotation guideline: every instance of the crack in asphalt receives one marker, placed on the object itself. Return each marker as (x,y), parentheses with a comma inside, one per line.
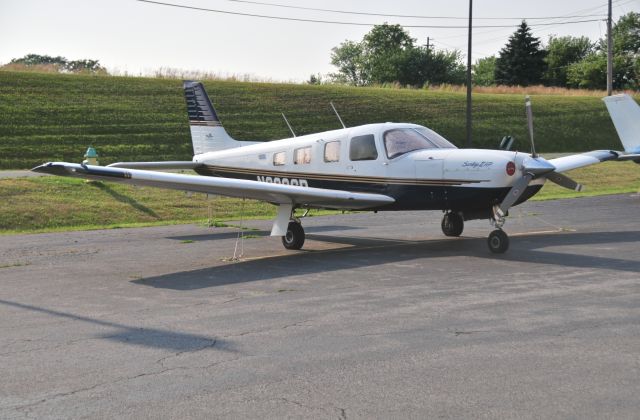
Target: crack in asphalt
(27,408)
(295,324)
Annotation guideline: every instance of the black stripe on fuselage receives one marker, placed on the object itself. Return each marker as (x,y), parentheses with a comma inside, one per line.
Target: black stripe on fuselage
(409,195)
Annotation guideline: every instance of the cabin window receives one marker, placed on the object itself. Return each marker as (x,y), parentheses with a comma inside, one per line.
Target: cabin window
(332,151)
(363,148)
(302,155)
(279,158)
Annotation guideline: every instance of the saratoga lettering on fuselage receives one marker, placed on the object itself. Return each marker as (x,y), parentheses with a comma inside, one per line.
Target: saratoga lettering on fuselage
(283,181)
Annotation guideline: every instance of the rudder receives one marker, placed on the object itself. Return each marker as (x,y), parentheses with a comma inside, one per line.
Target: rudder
(207,133)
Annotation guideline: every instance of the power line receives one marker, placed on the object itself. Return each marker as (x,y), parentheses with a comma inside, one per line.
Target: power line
(346,12)
(228,12)
(587,10)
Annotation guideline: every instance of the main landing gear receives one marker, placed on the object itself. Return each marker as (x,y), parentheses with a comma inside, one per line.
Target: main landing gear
(294,238)
(452,224)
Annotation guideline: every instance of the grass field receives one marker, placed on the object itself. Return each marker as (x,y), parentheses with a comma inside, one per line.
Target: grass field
(55,203)
(46,117)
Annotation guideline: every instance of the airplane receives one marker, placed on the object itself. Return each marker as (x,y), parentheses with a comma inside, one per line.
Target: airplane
(374,167)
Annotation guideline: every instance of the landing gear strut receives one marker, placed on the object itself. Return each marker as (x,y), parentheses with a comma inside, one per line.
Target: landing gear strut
(452,224)
(294,238)
(498,240)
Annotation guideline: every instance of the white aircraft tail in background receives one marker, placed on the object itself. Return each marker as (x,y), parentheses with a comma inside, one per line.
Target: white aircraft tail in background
(625,114)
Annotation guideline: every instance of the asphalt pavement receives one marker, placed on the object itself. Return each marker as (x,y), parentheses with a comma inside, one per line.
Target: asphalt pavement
(380,316)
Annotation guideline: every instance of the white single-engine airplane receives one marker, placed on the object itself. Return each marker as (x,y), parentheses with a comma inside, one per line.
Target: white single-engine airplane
(388,166)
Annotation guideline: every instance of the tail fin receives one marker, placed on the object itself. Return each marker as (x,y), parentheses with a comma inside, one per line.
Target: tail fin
(625,113)
(207,133)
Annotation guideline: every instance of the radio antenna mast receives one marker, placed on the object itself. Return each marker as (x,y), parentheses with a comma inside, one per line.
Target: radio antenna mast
(337,115)
(288,125)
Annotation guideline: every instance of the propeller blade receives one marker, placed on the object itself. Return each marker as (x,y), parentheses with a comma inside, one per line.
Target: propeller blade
(515,193)
(564,181)
(527,104)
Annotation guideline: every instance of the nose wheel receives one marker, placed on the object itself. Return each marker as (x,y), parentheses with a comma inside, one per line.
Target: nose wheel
(294,238)
(498,241)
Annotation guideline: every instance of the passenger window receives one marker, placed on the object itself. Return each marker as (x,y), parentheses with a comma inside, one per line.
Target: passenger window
(279,158)
(363,148)
(302,155)
(332,151)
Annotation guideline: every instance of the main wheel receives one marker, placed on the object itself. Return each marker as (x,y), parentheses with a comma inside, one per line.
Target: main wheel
(294,238)
(452,224)
(498,241)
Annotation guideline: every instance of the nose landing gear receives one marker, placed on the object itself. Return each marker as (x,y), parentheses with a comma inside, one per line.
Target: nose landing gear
(498,240)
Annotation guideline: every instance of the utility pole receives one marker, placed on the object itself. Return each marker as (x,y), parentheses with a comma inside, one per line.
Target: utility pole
(609,54)
(469,75)
(428,43)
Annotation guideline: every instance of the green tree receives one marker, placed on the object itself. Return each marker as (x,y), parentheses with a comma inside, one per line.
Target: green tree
(387,54)
(561,53)
(61,64)
(84,66)
(386,49)
(36,59)
(521,61)
(484,71)
(349,59)
(591,72)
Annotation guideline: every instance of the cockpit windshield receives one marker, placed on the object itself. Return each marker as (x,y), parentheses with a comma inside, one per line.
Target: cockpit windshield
(399,141)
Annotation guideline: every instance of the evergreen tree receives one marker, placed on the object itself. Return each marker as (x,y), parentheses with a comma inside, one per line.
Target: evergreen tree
(521,61)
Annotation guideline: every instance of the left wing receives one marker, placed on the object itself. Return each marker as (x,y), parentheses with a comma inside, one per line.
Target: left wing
(295,196)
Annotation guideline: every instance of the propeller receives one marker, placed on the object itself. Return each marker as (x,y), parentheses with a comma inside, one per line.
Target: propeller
(532,168)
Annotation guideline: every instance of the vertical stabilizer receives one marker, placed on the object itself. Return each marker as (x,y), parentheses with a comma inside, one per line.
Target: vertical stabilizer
(625,113)
(207,133)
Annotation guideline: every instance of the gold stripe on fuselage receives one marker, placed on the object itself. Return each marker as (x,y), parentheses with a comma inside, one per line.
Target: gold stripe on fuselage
(342,178)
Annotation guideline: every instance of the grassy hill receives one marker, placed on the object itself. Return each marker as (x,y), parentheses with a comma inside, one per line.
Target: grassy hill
(45,117)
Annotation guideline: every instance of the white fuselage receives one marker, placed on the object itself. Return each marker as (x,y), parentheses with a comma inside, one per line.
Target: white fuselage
(481,168)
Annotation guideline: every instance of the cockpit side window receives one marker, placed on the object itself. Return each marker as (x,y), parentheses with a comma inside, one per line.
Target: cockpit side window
(399,141)
(435,138)
(363,148)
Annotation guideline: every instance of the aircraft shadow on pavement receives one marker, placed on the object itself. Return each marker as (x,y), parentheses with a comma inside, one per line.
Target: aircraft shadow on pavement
(370,252)
(216,236)
(136,335)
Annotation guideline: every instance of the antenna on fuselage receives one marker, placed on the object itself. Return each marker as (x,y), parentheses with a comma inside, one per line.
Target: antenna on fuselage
(527,105)
(288,125)
(338,115)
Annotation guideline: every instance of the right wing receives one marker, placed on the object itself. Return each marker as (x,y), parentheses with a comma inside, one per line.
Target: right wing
(288,195)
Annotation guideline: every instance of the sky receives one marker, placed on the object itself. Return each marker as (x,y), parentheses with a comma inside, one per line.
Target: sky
(133,37)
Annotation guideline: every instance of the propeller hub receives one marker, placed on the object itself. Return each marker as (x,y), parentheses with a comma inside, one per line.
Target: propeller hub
(537,166)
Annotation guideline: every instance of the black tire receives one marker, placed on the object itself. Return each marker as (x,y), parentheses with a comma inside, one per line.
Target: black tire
(498,242)
(294,238)
(452,224)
